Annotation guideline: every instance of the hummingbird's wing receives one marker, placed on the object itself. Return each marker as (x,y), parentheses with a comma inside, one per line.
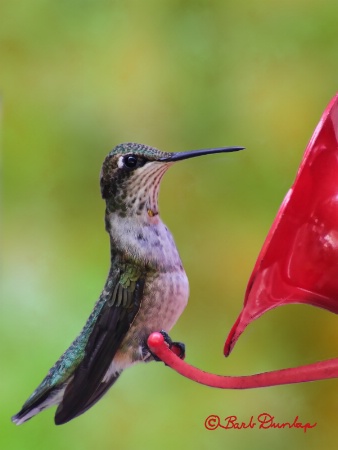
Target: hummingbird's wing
(112,324)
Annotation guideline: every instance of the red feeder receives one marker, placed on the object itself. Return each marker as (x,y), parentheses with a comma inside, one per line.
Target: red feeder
(299,259)
(298,263)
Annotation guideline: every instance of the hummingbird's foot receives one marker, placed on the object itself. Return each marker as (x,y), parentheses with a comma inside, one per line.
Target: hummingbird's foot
(176,347)
(167,338)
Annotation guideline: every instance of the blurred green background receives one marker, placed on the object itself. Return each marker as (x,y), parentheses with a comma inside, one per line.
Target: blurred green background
(79,77)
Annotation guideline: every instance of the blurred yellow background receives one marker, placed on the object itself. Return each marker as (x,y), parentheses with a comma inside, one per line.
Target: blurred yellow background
(79,77)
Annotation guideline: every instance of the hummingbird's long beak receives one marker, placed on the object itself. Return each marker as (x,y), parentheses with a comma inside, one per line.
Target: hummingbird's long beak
(191,154)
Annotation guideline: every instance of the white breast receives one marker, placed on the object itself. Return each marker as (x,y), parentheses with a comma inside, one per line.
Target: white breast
(145,238)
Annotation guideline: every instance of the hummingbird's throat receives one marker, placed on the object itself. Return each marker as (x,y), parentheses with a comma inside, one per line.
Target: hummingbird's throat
(137,196)
(146,189)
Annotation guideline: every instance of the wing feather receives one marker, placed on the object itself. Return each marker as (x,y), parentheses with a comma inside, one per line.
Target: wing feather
(111,326)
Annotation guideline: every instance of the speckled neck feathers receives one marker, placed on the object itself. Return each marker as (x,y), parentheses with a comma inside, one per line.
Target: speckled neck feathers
(132,216)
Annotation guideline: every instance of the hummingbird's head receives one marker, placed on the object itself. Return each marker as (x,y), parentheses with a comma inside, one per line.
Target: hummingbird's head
(130,178)
(131,175)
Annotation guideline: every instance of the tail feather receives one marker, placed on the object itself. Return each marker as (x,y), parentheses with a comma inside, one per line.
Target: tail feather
(66,412)
(45,397)
(34,405)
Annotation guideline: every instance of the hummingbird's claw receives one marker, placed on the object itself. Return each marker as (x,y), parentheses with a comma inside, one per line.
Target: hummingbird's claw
(176,347)
(166,337)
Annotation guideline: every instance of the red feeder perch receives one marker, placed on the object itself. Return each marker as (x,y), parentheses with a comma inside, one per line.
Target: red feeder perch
(297,264)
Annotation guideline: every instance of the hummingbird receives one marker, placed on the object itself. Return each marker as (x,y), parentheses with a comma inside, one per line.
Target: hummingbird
(146,290)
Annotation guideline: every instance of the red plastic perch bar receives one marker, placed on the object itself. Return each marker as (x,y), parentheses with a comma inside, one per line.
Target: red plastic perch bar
(313,372)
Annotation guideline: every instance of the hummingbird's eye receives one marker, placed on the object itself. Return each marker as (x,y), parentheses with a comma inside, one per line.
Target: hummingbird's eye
(132,162)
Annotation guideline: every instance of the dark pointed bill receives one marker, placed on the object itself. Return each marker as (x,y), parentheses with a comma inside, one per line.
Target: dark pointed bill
(179,156)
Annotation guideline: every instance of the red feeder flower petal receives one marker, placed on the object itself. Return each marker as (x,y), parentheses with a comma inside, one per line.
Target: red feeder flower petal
(299,259)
